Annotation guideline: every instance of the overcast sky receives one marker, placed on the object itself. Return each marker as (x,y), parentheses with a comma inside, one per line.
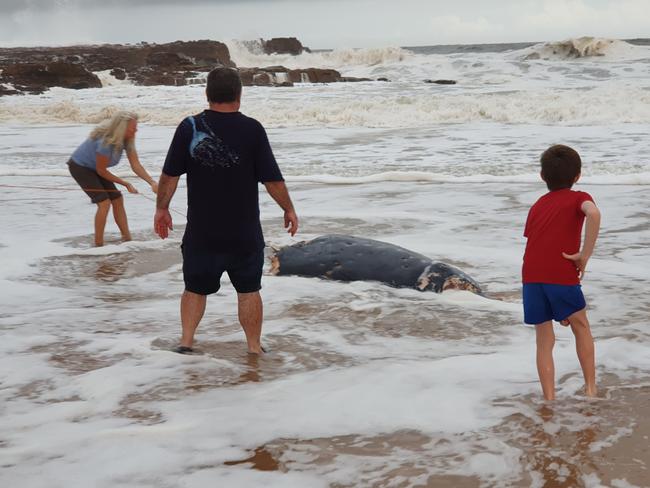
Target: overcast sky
(319,23)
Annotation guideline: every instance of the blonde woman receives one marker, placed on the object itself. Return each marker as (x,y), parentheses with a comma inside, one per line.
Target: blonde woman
(89,167)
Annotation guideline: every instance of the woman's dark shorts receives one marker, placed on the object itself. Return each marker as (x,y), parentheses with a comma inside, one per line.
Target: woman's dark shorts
(202,270)
(96,187)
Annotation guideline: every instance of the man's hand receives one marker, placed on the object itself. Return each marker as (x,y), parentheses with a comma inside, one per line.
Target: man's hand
(580,261)
(162,223)
(279,193)
(131,188)
(291,222)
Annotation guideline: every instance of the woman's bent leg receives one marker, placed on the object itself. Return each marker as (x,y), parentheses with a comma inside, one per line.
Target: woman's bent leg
(100,221)
(119,214)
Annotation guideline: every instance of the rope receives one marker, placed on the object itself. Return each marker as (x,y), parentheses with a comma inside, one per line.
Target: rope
(76,189)
(54,188)
(171,209)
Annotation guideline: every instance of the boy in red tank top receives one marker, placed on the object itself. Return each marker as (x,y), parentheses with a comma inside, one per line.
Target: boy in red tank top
(554,265)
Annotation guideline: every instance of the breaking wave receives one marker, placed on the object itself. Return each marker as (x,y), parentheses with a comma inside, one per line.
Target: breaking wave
(609,103)
(584,47)
(250,54)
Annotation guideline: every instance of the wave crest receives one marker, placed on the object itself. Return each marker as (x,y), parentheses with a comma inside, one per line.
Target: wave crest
(609,103)
(581,47)
(250,54)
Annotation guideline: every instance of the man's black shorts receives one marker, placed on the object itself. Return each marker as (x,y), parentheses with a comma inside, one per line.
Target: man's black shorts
(202,270)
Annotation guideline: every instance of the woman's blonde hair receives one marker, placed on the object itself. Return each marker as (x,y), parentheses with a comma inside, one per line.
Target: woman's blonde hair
(111,132)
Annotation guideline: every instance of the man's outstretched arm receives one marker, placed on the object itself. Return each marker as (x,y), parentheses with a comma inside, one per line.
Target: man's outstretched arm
(162,222)
(279,193)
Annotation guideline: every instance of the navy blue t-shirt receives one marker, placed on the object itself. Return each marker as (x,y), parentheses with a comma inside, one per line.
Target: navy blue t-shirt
(225,155)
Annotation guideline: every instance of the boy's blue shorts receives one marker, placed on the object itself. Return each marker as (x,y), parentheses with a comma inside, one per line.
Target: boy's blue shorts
(544,302)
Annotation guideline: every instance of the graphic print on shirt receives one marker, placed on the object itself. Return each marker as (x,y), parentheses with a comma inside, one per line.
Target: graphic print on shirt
(208,149)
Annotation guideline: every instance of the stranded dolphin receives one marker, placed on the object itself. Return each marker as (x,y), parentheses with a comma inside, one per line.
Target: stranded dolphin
(347,258)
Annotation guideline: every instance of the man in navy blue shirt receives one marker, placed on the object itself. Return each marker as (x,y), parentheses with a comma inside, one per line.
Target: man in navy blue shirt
(224,155)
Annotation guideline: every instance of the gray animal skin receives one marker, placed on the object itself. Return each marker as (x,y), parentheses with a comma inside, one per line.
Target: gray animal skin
(347,258)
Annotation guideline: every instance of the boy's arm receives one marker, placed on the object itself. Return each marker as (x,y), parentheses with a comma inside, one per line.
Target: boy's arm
(591,234)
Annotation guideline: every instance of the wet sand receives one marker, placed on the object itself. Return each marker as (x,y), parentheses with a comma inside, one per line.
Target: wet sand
(573,442)
(613,446)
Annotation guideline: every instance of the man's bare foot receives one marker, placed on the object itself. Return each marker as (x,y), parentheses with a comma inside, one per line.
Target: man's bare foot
(99,244)
(591,391)
(126,238)
(183,350)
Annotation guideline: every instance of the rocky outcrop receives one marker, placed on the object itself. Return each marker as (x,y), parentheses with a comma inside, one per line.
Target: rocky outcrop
(38,77)
(314,75)
(281,76)
(34,70)
(284,45)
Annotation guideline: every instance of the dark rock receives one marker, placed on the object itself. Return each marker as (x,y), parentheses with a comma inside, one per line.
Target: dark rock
(283,45)
(8,91)
(383,79)
(314,75)
(317,75)
(353,79)
(167,59)
(262,79)
(246,75)
(73,59)
(273,76)
(153,77)
(204,52)
(118,73)
(441,82)
(275,69)
(36,77)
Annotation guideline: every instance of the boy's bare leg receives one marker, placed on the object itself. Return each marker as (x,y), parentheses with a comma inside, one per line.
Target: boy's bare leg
(192,309)
(545,365)
(100,221)
(119,214)
(585,349)
(250,318)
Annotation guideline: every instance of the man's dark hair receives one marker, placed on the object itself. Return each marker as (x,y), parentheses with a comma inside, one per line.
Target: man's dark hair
(560,167)
(224,85)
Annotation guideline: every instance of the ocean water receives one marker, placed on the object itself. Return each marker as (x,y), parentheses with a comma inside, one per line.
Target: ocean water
(365,385)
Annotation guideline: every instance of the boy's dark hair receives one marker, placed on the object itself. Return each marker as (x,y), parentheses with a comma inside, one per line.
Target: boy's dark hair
(560,167)
(224,85)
